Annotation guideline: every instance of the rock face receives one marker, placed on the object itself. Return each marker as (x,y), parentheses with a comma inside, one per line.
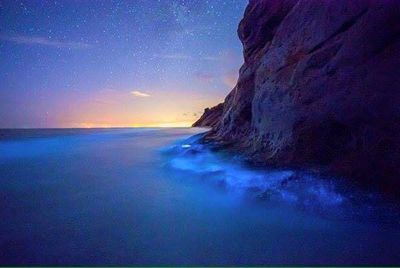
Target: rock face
(210,117)
(319,87)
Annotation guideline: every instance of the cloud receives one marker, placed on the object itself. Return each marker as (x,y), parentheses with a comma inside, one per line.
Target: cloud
(173,56)
(204,77)
(185,57)
(230,79)
(210,58)
(139,94)
(43,41)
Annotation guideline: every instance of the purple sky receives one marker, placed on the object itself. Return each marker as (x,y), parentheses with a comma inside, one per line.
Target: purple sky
(115,63)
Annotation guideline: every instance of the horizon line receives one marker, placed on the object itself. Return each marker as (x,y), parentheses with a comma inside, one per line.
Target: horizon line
(27,128)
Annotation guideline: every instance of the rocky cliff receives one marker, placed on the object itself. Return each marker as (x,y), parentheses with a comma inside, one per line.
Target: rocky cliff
(319,87)
(210,117)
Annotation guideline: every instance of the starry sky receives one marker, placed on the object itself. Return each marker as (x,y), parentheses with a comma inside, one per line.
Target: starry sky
(115,63)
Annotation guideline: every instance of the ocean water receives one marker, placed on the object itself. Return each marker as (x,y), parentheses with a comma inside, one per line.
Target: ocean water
(158,197)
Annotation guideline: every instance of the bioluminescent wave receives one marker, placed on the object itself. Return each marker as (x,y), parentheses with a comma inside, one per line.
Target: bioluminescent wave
(305,190)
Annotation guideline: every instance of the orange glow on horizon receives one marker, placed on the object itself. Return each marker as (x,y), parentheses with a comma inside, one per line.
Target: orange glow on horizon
(168,107)
(161,125)
(120,109)
(168,124)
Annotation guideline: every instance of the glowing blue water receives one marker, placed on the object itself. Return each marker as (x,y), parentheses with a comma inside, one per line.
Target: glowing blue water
(157,197)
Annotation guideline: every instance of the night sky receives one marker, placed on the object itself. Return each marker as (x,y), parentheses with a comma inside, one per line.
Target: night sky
(115,63)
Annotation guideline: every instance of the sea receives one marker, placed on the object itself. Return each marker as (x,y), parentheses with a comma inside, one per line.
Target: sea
(158,196)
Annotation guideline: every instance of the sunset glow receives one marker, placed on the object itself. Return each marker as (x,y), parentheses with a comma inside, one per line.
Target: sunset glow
(116,64)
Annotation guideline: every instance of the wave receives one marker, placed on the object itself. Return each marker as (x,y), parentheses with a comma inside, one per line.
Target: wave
(284,186)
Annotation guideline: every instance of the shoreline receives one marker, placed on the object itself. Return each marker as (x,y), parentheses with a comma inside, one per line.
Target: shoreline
(217,144)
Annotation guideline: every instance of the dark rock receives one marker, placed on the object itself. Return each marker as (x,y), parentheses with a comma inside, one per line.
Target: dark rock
(210,117)
(319,86)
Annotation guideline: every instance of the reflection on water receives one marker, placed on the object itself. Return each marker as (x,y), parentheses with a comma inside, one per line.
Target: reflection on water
(158,197)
